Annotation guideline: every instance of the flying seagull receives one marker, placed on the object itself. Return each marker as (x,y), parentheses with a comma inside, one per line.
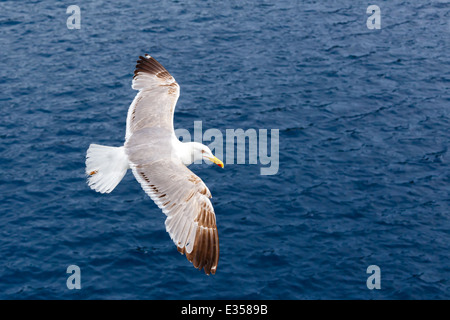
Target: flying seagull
(158,161)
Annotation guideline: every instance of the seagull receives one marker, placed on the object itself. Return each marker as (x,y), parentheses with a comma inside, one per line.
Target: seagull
(159,163)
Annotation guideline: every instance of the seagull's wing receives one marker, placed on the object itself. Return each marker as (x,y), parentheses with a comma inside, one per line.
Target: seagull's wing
(154,105)
(182,196)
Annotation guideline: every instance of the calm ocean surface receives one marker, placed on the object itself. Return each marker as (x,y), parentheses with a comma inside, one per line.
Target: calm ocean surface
(363,118)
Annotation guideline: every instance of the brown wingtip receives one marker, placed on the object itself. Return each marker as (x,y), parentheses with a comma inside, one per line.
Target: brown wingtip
(205,252)
(150,65)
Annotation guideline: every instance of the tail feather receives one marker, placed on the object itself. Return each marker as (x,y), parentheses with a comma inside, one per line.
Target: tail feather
(105,167)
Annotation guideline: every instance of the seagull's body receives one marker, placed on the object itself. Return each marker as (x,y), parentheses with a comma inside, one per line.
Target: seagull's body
(158,161)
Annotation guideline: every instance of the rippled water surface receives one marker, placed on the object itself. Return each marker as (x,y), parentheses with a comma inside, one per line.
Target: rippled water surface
(363,118)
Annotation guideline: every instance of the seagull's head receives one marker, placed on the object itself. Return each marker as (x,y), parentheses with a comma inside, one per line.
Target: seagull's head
(200,151)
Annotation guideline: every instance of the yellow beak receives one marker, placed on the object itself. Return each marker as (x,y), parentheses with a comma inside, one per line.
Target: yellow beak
(216,161)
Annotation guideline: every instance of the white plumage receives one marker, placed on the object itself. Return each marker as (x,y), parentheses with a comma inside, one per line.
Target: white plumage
(158,161)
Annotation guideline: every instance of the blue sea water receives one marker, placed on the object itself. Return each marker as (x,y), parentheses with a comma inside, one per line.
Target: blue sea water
(363,118)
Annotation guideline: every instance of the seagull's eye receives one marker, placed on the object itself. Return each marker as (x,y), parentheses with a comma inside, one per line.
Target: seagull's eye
(203,151)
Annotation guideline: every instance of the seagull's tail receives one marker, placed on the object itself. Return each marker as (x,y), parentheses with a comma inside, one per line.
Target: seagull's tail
(105,167)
